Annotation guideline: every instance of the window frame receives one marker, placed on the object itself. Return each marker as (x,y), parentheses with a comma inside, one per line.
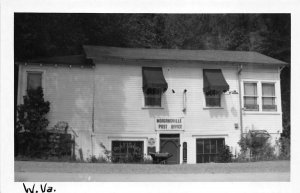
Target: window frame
(260,110)
(153,96)
(220,101)
(120,154)
(273,97)
(210,154)
(25,70)
(33,72)
(256,97)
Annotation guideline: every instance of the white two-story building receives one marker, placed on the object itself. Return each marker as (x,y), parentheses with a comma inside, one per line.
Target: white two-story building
(135,101)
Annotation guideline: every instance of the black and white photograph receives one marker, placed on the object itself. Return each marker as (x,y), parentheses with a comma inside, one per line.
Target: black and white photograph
(130,97)
(149,97)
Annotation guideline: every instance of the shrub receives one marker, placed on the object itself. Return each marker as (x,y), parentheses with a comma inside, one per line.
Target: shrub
(107,154)
(30,130)
(224,155)
(285,148)
(257,143)
(94,159)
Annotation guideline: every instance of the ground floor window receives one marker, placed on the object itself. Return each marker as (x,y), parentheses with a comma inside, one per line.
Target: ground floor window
(207,149)
(127,151)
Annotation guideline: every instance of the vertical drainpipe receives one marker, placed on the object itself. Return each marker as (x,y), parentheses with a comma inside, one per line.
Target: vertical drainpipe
(93,113)
(240,98)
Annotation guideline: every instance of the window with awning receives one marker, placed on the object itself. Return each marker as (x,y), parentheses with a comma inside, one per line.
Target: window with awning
(154,84)
(214,84)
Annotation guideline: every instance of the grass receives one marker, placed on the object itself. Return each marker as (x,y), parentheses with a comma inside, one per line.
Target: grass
(248,167)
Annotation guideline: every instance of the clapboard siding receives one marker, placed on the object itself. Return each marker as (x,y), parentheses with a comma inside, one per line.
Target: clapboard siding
(69,91)
(120,100)
(114,91)
(260,73)
(272,121)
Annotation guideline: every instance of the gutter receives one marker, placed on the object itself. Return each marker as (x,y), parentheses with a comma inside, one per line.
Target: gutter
(240,98)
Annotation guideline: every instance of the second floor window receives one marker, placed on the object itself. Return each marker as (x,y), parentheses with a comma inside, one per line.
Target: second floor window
(34,80)
(250,96)
(268,97)
(213,100)
(153,97)
(154,85)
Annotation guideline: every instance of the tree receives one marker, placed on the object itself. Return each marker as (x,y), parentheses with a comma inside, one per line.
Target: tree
(32,123)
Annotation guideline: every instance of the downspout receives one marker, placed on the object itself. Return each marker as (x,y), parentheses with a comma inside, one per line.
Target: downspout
(93,113)
(240,98)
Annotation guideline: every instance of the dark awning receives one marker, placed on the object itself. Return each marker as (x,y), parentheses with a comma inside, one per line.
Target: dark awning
(214,81)
(153,77)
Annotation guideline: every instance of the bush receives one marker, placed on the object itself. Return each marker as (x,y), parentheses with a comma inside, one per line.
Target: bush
(224,155)
(94,159)
(30,129)
(107,154)
(257,143)
(285,148)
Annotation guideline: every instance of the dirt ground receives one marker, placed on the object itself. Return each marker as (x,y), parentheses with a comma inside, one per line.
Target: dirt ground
(62,171)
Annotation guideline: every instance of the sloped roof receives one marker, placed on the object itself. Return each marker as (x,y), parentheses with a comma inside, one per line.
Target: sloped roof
(70,60)
(98,52)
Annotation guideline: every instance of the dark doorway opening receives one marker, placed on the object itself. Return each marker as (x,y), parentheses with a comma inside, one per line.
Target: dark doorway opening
(170,143)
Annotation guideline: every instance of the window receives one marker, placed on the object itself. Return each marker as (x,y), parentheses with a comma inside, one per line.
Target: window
(214,84)
(207,150)
(127,151)
(268,97)
(260,96)
(154,85)
(34,80)
(153,97)
(213,100)
(250,96)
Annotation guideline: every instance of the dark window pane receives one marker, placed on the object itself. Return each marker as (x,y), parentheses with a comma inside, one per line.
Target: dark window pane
(220,144)
(153,97)
(213,144)
(34,80)
(127,151)
(213,100)
(211,148)
(268,89)
(200,146)
(206,158)
(250,103)
(250,100)
(206,146)
(250,89)
(268,101)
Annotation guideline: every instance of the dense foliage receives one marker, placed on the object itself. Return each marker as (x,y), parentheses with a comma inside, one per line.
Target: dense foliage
(42,35)
(224,155)
(258,146)
(32,113)
(30,131)
(32,139)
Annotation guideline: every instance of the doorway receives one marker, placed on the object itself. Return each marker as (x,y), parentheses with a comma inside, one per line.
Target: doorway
(170,143)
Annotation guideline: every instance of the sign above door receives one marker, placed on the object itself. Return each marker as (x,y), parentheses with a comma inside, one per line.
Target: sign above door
(169,124)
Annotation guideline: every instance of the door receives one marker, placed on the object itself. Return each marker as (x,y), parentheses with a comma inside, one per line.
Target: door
(207,150)
(170,143)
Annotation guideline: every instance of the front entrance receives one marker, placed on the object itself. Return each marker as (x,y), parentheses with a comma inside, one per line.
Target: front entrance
(170,143)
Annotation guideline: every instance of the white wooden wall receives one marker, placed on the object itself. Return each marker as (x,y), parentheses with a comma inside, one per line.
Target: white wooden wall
(119,112)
